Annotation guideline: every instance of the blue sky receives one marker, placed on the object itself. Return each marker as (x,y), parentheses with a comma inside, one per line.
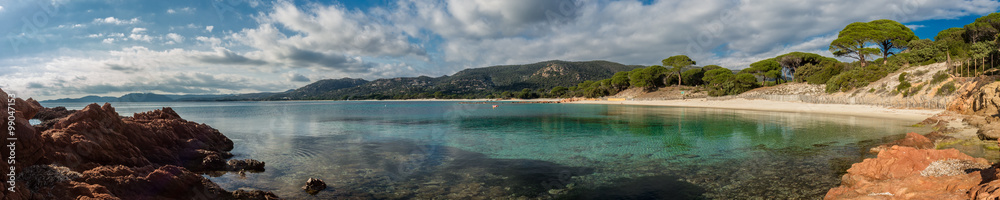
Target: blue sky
(60,48)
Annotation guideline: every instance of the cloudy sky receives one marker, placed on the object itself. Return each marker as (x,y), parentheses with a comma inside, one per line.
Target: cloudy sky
(61,48)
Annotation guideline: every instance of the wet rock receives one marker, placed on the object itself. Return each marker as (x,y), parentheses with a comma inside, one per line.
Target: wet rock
(897,172)
(911,140)
(314,185)
(254,195)
(213,162)
(246,164)
(46,114)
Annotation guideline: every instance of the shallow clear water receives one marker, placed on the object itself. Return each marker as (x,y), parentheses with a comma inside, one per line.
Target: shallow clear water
(446,150)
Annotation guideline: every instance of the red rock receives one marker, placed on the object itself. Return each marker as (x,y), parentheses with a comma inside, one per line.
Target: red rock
(28,148)
(98,136)
(896,171)
(911,140)
(135,157)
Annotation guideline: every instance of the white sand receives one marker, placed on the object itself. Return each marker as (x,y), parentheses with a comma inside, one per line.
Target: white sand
(915,115)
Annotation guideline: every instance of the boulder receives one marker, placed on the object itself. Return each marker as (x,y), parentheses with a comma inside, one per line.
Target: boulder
(896,173)
(911,140)
(989,131)
(314,185)
(245,164)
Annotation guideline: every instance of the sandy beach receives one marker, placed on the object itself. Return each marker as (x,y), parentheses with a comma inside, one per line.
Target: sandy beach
(915,115)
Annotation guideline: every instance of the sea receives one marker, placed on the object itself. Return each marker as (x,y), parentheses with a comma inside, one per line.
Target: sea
(456,150)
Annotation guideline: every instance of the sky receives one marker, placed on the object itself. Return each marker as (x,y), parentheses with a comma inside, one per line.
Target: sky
(61,49)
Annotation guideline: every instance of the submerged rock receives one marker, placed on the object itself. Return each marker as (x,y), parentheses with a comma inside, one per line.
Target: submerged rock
(246,164)
(897,172)
(314,185)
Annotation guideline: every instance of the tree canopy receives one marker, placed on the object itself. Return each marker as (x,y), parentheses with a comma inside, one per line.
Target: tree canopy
(855,39)
(891,35)
(984,28)
(678,63)
(647,78)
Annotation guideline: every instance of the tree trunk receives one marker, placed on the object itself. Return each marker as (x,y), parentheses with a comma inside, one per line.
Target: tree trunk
(678,78)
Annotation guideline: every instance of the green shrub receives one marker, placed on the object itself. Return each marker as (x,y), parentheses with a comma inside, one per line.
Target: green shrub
(939,77)
(946,89)
(903,84)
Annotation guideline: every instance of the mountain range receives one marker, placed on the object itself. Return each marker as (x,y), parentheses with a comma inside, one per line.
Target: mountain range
(486,82)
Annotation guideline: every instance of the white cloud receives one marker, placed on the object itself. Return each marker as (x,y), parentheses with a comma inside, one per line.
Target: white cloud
(175,37)
(95,35)
(140,37)
(209,28)
(213,41)
(135,69)
(326,37)
(1,8)
(108,41)
(481,33)
(115,21)
(181,10)
(138,30)
(914,27)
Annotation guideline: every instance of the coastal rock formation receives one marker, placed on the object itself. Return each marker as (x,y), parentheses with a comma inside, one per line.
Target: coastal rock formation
(899,172)
(96,154)
(314,185)
(990,188)
(98,136)
(245,164)
(28,147)
(982,97)
(911,140)
(46,114)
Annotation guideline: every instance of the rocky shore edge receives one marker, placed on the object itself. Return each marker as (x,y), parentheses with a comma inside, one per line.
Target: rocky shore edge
(916,167)
(95,153)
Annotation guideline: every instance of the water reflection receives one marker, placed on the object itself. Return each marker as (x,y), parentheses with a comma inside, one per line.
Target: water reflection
(401,150)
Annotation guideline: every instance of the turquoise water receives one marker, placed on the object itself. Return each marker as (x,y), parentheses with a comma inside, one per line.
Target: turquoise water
(446,150)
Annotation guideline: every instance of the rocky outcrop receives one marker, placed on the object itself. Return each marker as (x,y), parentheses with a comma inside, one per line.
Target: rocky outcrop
(980,97)
(94,153)
(46,114)
(911,140)
(245,164)
(97,135)
(910,173)
(314,185)
(28,146)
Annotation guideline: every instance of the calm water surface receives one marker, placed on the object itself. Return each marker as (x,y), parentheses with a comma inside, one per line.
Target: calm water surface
(446,150)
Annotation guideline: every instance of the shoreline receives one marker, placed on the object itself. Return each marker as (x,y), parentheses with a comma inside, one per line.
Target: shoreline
(915,115)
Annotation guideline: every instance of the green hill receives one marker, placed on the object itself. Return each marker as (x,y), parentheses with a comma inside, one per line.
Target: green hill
(487,82)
